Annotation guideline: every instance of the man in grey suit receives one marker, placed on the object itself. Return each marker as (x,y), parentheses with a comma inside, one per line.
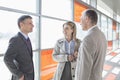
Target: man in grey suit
(18,56)
(92,50)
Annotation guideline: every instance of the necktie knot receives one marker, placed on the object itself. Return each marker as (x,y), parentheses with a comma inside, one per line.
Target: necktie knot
(28,39)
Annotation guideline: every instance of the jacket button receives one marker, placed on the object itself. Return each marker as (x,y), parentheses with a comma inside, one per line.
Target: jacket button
(72,68)
(73,75)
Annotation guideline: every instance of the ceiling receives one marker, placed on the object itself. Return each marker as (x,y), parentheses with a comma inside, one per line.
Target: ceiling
(113,4)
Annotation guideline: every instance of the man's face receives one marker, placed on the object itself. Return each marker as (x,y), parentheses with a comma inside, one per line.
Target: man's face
(27,25)
(83,21)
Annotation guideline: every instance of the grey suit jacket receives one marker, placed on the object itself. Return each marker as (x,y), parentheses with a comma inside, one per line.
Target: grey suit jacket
(91,56)
(18,58)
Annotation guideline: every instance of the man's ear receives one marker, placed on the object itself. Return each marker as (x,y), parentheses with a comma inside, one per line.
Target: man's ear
(87,19)
(21,24)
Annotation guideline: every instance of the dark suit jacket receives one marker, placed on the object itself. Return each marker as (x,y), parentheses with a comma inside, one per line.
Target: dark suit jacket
(18,58)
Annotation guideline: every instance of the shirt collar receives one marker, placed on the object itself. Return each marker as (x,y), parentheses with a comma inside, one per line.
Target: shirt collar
(70,41)
(91,28)
(26,36)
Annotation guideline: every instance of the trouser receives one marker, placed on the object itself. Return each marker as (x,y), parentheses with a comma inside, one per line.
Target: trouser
(66,75)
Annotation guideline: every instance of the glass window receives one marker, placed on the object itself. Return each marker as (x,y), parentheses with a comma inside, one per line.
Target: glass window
(114,35)
(6,75)
(57,8)
(118,18)
(80,33)
(99,17)
(115,44)
(26,5)
(101,6)
(9,28)
(93,3)
(104,25)
(119,34)
(86,1)
(109,29)
(114,31)
(51,31)
(119,30)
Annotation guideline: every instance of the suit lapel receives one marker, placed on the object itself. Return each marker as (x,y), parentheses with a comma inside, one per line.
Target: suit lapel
(62,45)
(25,41)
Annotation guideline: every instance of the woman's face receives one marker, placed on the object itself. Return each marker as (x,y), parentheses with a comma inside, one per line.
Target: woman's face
(67,30)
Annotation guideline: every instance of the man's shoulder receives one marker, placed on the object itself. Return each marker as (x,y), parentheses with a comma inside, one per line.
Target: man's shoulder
(15,37)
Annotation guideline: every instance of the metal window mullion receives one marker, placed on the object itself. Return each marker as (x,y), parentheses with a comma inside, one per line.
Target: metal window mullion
(18,11)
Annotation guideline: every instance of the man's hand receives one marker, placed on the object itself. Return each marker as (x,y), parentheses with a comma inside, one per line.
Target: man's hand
(22,78)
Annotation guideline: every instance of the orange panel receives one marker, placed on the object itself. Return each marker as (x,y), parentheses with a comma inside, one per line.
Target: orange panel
(48,66)
(78,9)
(110,43)
(114,25)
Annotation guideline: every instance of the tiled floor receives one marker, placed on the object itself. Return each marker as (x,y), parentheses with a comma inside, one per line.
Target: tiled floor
(112,66)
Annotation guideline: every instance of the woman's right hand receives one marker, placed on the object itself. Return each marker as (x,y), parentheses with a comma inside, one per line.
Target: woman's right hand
(70,58)
(75,54)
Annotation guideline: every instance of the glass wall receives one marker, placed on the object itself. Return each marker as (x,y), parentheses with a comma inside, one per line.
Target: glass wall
(101,6)
(54,15)
(48,20)
(78,9)
(114,36)
(99,20)
(93,3)
(9,28)
(104,25)
(119,33)
(10,11)
(53,31)
(86,1)
(24,5)
(110,42)
(58,8)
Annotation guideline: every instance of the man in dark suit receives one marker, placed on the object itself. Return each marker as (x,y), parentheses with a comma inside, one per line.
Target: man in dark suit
(18,56)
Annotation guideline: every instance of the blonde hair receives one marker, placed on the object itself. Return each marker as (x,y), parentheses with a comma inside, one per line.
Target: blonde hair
(73,26)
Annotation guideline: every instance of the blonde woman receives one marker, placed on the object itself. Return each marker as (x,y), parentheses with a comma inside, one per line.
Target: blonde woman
(65,53)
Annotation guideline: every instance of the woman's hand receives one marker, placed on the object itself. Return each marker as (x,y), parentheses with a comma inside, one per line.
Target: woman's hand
(70,58)
(75,54)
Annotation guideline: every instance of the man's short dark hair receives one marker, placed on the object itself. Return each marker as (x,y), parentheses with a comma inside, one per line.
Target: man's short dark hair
(92,15)
(22,18)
